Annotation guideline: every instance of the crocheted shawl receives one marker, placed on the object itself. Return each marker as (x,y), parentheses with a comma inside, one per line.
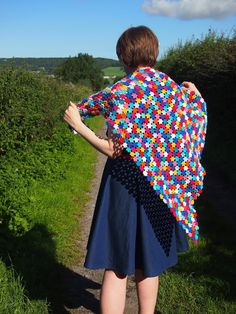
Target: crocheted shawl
(163,128)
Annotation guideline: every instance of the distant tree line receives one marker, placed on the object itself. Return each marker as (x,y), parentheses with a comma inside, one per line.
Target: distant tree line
(48,65)
(105,63)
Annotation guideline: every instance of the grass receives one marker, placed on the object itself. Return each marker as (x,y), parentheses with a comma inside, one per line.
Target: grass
(44,253)
(61,205)
(113,71)
(202,282)
(204,279)
(12,295)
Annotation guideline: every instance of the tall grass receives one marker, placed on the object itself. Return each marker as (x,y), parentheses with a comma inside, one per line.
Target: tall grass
(203,281)
(12,295)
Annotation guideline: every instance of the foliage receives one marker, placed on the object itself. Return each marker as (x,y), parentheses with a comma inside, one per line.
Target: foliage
(210,63)
(117,78)
(199,283)
(45,171)
(104,63)
(33,139)
(81,70)
(202,59)
(48,65)
(54,210)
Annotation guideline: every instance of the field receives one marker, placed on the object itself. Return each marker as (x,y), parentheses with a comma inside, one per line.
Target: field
(113,71)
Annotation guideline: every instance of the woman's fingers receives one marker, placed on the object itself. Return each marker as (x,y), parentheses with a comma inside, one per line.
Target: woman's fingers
(184,89)
(72,104)
(188,84)
(185,83)
(72,115)
(71,107)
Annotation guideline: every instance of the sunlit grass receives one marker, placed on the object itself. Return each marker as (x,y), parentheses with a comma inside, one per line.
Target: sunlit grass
(204,279)
(113,71)
(60,205)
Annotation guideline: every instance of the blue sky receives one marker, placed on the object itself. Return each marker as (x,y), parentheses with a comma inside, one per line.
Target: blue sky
(66,27)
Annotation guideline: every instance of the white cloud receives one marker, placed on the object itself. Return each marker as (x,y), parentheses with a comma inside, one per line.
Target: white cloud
(191,9)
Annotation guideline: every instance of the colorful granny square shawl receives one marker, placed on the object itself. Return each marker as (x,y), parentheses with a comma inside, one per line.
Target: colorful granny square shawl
(163,128)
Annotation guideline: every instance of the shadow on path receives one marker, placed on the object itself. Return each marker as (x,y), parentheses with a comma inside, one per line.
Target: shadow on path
(33,258)
(76,294)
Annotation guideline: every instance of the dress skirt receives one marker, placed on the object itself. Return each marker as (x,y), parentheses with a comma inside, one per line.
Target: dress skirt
(132,228)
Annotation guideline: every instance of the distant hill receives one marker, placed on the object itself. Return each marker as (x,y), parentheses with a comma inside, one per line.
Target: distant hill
(105,63)
(48,64)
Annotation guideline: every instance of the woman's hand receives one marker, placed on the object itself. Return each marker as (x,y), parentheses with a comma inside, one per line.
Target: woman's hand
(72,117)
(189,86)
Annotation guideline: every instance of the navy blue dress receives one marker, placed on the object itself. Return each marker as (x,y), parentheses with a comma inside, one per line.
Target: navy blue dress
(131,226)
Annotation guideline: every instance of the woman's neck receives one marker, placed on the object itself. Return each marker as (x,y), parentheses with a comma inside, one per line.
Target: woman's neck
(130,70)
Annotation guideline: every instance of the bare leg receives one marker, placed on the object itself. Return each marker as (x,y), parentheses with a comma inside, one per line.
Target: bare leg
(113,293)
(147,289)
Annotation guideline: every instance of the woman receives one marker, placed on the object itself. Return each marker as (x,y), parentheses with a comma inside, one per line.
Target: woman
(133,231)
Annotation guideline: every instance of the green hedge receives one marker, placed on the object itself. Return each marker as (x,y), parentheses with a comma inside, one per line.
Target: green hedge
(210,63)
(35,144)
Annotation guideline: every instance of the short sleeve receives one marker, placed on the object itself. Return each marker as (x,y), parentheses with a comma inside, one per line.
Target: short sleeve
(95,104)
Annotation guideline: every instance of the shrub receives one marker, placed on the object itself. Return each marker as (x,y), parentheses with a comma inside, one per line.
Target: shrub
(210,63)
(34,142)
(81,69)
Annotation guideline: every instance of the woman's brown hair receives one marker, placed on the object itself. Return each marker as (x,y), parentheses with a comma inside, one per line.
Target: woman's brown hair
(137,46)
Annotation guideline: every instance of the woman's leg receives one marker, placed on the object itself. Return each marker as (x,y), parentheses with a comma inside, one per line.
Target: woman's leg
(147,289)
(113,293)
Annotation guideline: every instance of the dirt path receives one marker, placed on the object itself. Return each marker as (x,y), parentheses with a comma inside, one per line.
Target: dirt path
(83,287)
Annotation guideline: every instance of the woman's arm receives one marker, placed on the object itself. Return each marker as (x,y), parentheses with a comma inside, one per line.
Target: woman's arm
(95,104)
(73,118)
(102,145)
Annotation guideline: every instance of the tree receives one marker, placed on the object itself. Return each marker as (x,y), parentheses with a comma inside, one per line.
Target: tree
(81,69)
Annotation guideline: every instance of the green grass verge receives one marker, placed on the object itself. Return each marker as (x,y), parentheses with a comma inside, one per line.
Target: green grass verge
(40,256)
(12,295)
(113,71)
(60,205)
(204,279)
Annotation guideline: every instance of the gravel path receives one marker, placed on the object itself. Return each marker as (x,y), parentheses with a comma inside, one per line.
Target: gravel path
(82,286)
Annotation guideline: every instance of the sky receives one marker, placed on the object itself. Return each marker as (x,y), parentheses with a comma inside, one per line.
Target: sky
(63,28)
